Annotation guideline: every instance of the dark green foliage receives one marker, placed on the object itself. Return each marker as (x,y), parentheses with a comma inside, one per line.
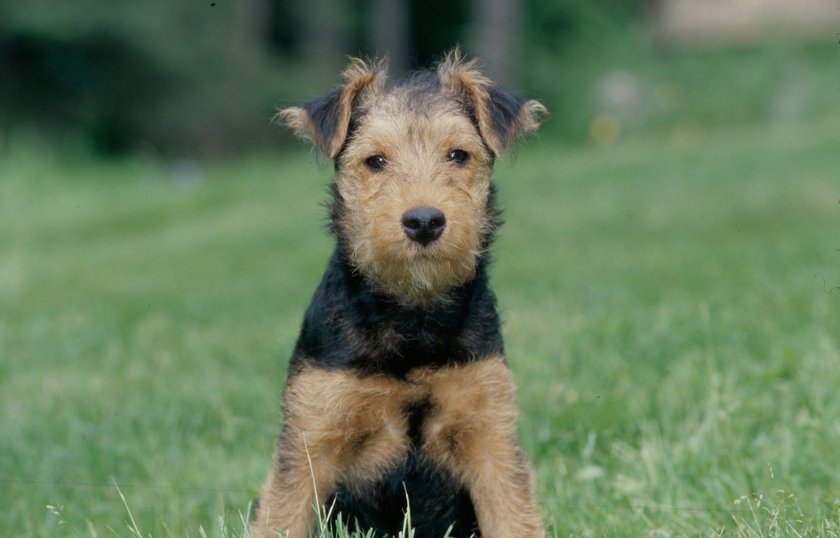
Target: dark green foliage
(167,77)
(97,83)
(436,25)
(205,77)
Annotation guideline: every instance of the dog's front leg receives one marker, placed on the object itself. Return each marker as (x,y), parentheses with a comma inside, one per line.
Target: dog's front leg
(288,499)
(339,427)
(472,432)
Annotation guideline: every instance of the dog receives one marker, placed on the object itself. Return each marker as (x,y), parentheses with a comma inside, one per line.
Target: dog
(399,397)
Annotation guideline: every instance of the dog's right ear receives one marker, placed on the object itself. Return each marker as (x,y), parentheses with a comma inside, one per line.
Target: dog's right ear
(326,120)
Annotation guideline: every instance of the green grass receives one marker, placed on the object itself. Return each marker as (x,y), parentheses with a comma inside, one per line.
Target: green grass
(672,317)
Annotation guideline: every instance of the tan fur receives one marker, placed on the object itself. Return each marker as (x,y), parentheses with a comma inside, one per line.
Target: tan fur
(354,429)
(350,428)
(415,145)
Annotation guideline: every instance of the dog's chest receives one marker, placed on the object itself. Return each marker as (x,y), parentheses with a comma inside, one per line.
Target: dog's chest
(412,477)
(438,407)
(370,422)
(418,436)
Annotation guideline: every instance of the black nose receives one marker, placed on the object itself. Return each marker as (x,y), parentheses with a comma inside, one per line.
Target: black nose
(423,224)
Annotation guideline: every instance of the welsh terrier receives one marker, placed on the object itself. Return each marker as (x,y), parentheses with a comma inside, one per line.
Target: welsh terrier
(399,397)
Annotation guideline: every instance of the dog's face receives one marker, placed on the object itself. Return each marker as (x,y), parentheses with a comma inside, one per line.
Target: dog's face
(414,186)
(413,204)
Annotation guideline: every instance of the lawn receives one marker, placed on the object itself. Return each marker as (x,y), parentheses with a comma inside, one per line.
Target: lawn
(671,307)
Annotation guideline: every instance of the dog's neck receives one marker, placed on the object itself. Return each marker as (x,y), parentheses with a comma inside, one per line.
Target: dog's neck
(352,325)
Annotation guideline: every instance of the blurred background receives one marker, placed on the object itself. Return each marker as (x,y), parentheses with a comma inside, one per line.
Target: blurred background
(202,78)
(668,274)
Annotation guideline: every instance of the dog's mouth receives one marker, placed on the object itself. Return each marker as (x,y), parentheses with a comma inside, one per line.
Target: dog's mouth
(429,251)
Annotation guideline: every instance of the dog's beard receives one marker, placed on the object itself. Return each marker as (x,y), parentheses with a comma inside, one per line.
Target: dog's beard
(415,274)
(378,248)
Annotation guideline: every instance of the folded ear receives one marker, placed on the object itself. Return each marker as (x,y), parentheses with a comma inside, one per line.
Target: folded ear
(325,121)
(501,116)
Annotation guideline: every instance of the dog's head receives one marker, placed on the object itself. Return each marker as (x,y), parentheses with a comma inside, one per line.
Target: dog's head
(413,198)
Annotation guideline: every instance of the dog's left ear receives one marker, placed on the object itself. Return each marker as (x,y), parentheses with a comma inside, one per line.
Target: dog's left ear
(501,116)
(326,120)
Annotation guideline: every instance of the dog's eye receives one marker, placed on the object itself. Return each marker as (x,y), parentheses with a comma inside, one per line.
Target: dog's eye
(458,156)
(376,162)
